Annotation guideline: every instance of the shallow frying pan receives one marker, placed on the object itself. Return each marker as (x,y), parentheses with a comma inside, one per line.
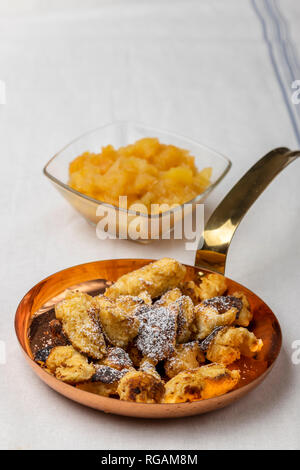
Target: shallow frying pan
(93,277)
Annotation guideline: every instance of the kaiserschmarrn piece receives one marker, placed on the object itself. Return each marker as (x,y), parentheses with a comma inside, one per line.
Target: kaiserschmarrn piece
(117,358)
(212,285)
(185,312)
(186,356)
(69,365)
(104,381)
(204,382)
(157,332)
(79,317)
(169,297)
(215,312)
(245,315)
(118,326)
(156,278)
(230,343)
(141,386)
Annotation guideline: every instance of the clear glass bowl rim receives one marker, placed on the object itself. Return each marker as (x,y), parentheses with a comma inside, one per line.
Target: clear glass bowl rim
(128,211)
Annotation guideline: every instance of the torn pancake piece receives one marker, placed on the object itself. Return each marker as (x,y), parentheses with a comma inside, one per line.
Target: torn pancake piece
(69,365)
(117,358)
(245,315)
(186,356)
(119,326)
(79,317)
(207,317)
(204,382)
(185,308)
(157,332)
(155,278)
(141,386)
(104,381)
(230,343)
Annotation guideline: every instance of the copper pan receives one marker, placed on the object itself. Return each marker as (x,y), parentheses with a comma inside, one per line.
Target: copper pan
(211,257)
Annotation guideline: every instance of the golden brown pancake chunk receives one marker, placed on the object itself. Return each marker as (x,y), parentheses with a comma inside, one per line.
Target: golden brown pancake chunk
(69,365)
(185,308)
(207,317)
(245,315)
(169,297)
(104,381)
(118,326)
(157,332)
(185,319)
(117,358)
(79,317)
(185,356)
(204,382)
(156,278)
(212,285)
(141,387)
(230,343)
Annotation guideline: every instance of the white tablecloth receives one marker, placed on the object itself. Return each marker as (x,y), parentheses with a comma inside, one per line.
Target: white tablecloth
(199,68)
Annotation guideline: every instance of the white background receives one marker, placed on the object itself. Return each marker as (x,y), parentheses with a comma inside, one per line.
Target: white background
(199,68)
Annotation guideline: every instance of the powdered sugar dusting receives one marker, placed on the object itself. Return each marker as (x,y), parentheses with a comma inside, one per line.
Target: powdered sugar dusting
(222,303)
(119,358)
(108,375)
(157,332)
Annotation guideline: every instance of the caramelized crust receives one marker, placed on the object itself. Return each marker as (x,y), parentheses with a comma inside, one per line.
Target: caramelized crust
(185,356)
(119,327)
(207,319)
(156,278)
(245,316)
(79,316)
(199,384)
(230,343)
(69,365)
(141,387)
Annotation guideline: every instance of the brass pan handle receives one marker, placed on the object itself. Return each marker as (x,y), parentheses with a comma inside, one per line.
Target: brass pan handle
(224,221)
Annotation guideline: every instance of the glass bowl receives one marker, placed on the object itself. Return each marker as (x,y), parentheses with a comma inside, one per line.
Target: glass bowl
(122,133)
